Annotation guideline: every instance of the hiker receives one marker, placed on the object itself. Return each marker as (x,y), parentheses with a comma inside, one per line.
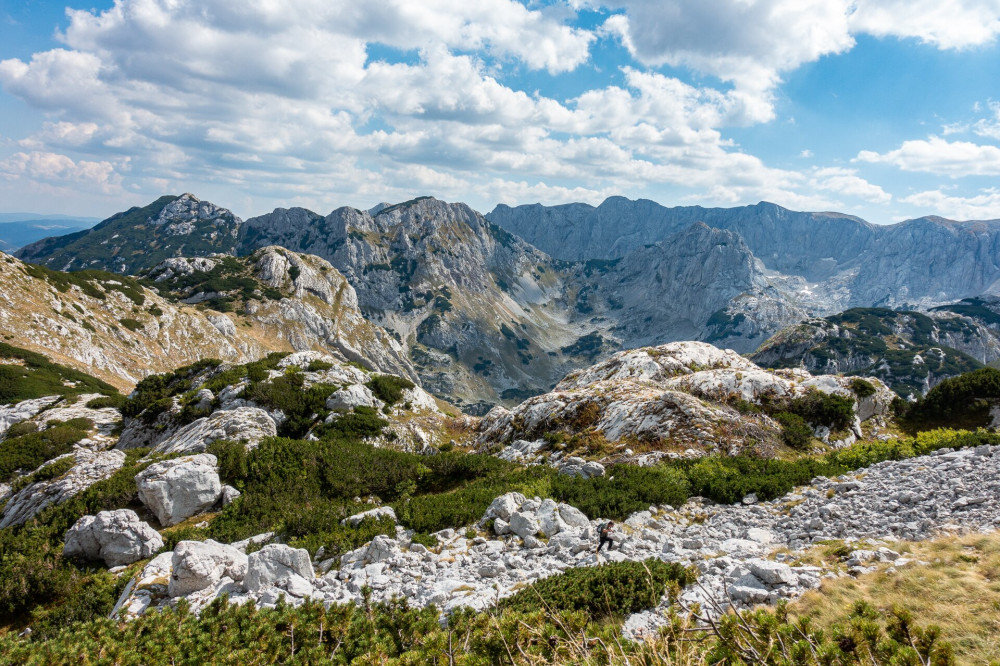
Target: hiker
(605,534)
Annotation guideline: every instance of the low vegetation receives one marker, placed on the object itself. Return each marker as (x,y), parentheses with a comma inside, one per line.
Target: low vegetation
(394,633)
(958,585)
(30,450)
(25,375)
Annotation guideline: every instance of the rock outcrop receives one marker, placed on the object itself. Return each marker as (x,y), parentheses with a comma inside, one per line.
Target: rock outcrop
(174,490)
(676,396)
(197,565)
(116,537)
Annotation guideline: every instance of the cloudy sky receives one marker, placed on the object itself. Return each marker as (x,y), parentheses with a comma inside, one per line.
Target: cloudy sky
(887,109)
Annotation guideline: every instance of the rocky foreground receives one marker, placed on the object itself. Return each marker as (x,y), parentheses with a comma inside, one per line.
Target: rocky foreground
(742,551)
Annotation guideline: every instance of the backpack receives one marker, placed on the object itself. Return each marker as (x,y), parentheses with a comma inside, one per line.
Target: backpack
(605,530)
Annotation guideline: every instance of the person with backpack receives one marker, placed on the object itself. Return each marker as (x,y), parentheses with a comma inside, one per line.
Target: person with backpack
(605,535)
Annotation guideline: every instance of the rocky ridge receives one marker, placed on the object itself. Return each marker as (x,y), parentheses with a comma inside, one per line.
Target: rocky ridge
(483,316)
(910,351)
(678,397)
(838,260)
(120,330)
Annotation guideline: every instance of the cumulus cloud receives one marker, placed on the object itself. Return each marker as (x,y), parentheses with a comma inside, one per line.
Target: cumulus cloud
(55,169)
(346,99)
(939,156)
(751,43)
(848,183)
(983,206)
(747,42)
(946,24)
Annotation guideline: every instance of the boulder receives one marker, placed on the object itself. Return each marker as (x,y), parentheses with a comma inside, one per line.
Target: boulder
(249,424)
(375,514)
(356,395)
(381,548)
(573,517)
(175,490)
(117,537)
(524,524)
(275,563)
(196,565)
(772,573)
(503,506)
(228,495)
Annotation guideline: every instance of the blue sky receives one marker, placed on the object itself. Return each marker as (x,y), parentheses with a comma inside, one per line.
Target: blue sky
(885,109)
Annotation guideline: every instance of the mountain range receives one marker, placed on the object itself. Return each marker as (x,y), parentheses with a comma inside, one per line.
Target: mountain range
(499,307)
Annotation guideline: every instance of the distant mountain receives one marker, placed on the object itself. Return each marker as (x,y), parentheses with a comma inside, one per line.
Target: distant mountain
(909,351)
(483,316)
(140,238)
(44,218)
(828,261)
(16,231)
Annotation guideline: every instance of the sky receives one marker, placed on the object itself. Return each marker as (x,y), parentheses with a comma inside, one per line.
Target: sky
(885,109)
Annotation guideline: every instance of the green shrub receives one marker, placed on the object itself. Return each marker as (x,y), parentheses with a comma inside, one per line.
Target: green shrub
(823,409)
(625,490)
(319,366)
(962,401)
(29,451)
(302,407)
(610,590)
(389,388)
(35,376)
(131,324)
(795,432)
(116,401)
(862,388)
(361,423)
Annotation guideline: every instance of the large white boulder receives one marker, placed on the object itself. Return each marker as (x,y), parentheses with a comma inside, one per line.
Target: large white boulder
(117,537)
(505,505)
(375,514)
(175,490)
(524,524)
(356,395)
(246,424)
(275,563)
(196,565)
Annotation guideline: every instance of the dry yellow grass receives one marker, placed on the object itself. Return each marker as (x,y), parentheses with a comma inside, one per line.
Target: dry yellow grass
(958,590)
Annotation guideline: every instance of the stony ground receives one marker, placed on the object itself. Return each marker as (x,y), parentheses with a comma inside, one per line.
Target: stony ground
(741,550)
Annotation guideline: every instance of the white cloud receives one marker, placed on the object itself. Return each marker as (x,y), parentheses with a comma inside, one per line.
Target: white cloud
(748,42)
(60,170)
(938,156)
(848,183)
(946,24)
(983,206)
(989,127)
(751,43)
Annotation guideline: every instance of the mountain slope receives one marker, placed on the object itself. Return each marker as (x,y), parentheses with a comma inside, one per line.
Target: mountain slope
(18,233)
(835,261)
(909,351)
(120,330)
(483,315)
(140,238)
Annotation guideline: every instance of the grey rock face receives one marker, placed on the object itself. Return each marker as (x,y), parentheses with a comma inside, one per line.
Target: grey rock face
(116,537)
(249,424)
(930,259)
(275,563)
(89,467)
(196,565)
(175,490)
